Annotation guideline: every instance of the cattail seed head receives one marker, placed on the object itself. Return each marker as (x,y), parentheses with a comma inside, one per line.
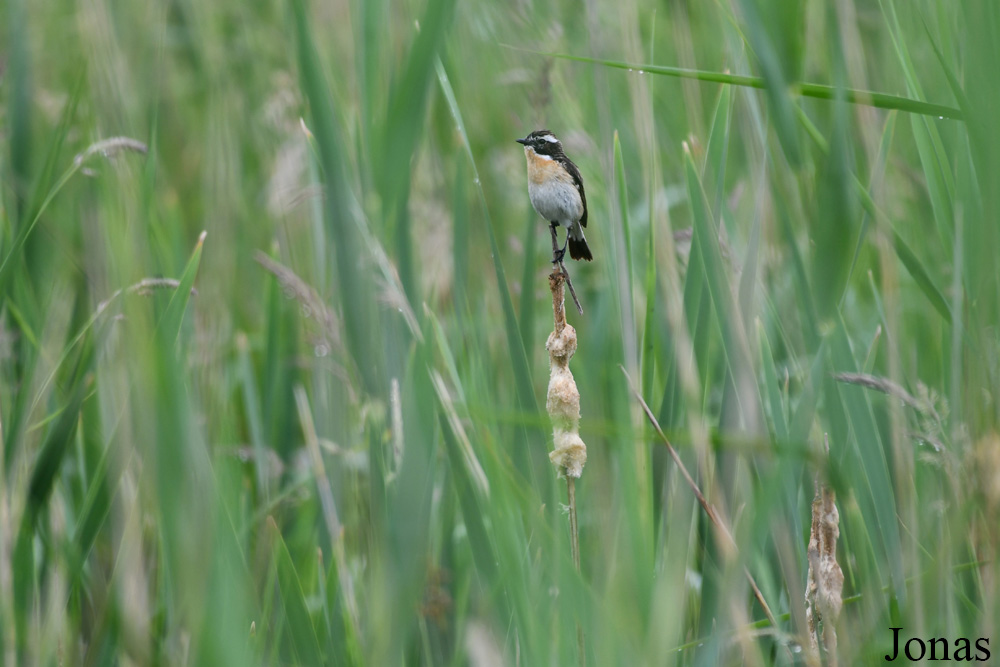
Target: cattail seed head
(563,399)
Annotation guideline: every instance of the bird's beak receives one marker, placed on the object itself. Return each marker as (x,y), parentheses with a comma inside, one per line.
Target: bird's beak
(523,142)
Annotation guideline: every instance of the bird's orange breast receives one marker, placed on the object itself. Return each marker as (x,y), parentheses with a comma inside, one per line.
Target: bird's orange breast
(544,169)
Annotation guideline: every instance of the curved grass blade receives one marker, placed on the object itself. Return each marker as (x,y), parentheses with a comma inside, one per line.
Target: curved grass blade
(170,322)
(920,276)
(815,90)
(39,203)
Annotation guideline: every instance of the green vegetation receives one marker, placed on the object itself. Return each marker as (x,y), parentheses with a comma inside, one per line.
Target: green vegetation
(316,433)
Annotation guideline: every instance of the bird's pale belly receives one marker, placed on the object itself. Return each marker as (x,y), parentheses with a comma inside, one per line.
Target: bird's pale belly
(556,201)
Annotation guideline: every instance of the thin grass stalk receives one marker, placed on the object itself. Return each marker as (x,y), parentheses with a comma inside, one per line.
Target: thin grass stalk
(820,91)
(574,547)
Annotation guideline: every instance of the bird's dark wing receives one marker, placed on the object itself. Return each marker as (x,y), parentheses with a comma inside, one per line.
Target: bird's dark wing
(578,181)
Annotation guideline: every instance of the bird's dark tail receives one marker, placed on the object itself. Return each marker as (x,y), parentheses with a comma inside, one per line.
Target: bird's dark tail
(578,248)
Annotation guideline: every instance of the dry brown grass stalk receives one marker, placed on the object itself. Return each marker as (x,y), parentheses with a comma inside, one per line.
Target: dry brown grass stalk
(307,296)
(825,583)
(884,385)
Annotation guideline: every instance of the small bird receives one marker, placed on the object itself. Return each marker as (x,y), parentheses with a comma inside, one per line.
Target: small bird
(556,191)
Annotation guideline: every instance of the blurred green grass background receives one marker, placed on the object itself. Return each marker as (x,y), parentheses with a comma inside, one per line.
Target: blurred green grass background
(333,450)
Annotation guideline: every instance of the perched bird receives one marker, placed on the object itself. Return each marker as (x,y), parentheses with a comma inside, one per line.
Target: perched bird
(556,191)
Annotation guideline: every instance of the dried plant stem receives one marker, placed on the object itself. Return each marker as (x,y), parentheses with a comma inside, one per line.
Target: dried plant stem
(825,583)
(563,405)
(563,398)
(705,505)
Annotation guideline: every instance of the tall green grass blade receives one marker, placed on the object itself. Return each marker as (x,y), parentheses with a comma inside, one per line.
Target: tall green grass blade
(403,129)
(515,344)
(373,19)
(874,181)
(834,217)
(43,182)
(293,600)
(650,339)
(718,149)
(40,487)
(779,61)
(410,499)
(343,643)
(528,304)
(460,246)
(472,506)
(870,472)
(252,408)
(772,389)
(355,285)
(279,377)
(623,207)
(169,326)
(39,204)
(404,121)
(919,273)
(907,256)
(706,243)
(980,204)
(933,158)
(103,485)
(19,84)
(620,267)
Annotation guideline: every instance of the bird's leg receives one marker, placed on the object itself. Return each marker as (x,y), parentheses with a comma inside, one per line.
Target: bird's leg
(557,252)
(553,226)
(557,259)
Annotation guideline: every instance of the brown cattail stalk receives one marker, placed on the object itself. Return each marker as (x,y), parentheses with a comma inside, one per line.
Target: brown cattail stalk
(569,452)
(825,583)
(563,400)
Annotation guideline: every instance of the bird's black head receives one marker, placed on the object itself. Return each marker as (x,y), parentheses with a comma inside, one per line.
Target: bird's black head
(542,142)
